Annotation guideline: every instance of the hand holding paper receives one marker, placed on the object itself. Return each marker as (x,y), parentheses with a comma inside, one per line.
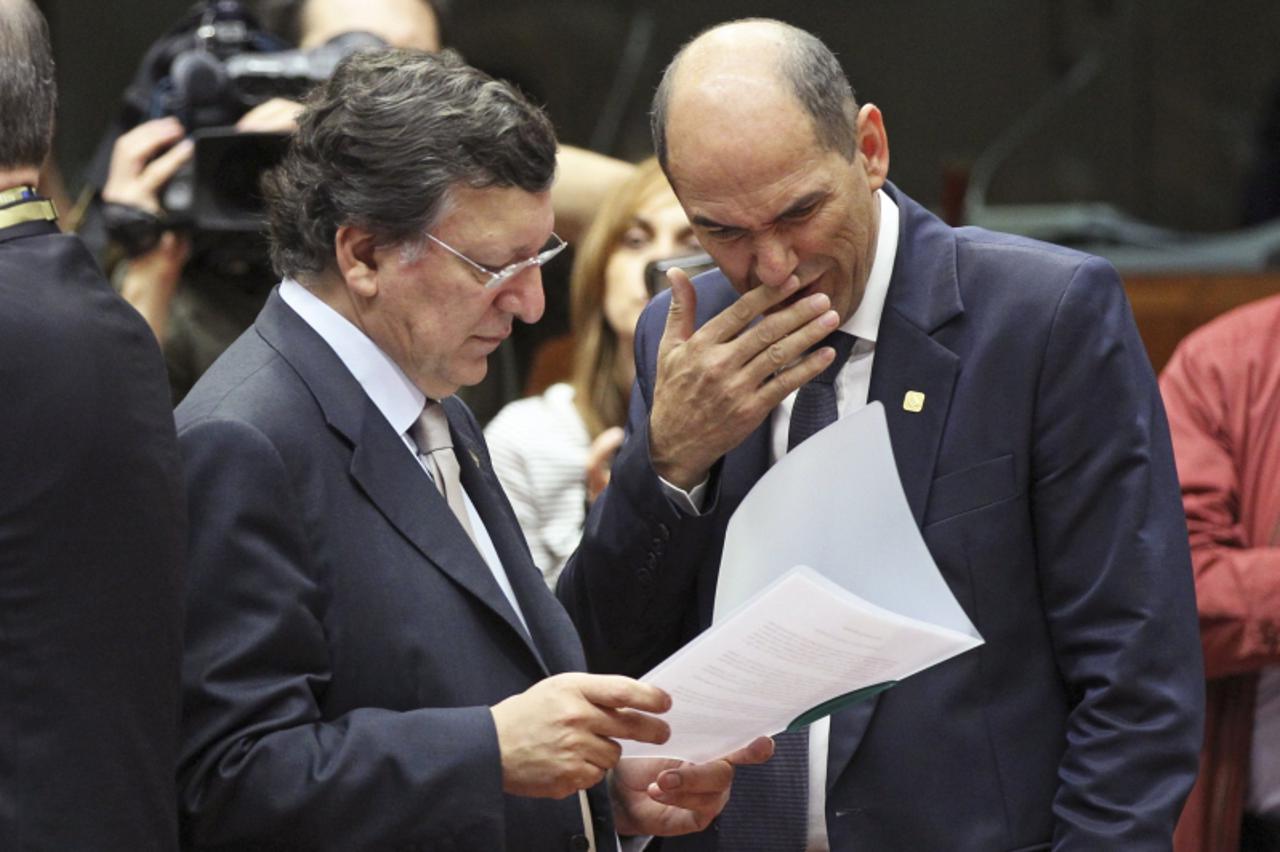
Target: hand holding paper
(664,796)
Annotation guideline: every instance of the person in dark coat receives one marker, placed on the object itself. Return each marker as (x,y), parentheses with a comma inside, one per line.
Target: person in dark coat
(92,518)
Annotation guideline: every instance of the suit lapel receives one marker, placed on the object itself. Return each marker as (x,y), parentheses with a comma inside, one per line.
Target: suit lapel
(924,294)
(547,621)
(907,361)
(381,465)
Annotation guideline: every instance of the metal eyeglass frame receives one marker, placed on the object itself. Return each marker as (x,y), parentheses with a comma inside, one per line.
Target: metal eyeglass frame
(499,276)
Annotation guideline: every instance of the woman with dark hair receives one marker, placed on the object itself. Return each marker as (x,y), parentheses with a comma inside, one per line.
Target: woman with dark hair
(551,451)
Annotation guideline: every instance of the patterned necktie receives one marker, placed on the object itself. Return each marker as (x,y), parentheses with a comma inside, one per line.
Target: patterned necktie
(435,445)
(815,406)
(768,809)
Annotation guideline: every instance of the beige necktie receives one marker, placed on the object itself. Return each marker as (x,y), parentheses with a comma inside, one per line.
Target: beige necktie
(435,445)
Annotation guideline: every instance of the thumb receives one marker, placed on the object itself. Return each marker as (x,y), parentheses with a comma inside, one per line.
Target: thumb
(684,305)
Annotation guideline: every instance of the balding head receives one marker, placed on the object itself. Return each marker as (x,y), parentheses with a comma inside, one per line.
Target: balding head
(28,95)
(750,66)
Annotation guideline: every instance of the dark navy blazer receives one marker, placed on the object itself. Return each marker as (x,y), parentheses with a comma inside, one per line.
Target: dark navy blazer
(92,528)
(345,638)
(1041,475)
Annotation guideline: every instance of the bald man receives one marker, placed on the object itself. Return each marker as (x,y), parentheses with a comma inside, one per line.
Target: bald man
(1029,437)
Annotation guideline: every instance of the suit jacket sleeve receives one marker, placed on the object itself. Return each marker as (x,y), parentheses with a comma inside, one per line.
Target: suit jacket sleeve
(1115,577)
(1209,390)
(260,764)
(631,585)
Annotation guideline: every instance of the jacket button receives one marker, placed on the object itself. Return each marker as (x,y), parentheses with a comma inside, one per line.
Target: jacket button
(579,843)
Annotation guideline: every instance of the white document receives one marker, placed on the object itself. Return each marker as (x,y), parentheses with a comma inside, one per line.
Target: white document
(835,503)
(826,589)
(781,660)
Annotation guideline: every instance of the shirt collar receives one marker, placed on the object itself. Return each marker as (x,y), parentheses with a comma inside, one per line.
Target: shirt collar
(387,386)
(865,322)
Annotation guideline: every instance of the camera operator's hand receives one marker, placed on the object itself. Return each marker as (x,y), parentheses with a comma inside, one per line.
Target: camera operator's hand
(142,162)
(277,115)
(151,279)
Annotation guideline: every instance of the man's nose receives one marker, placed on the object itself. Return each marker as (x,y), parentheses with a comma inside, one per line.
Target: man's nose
(774,260)
(522,296)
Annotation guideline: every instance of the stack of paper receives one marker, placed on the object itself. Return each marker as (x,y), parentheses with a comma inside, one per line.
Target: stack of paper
(826,594)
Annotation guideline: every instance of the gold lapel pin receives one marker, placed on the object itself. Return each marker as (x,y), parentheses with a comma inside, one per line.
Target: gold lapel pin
(913,402)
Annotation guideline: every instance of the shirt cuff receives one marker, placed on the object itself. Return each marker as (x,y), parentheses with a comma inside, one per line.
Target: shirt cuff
(690,501)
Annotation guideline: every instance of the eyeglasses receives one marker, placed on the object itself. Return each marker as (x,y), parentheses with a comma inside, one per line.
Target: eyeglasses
(554,246)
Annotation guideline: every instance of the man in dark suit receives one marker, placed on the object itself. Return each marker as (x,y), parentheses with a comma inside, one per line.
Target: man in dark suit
(1029,438)
(372,659)
(91,517)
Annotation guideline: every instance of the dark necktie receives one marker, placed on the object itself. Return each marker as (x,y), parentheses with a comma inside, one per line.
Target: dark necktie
(768,809)
(815,406)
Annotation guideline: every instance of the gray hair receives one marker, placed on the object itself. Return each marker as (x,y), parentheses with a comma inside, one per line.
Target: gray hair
(810,69)
(381,144)
(28,91)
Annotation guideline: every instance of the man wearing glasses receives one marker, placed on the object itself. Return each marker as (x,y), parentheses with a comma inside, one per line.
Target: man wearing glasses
(372,660)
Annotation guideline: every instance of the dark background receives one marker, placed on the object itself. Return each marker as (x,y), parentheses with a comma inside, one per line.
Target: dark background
(1166,126)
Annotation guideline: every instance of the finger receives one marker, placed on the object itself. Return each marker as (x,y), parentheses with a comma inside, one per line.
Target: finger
(617,691)
(140,144)
(769,346)
(782,384)
(680,314)
(158,172)
(604,444)
(712,777)
(704,806)
(600,753)
(278,115)
(631,725)
(730,322)
(757,751)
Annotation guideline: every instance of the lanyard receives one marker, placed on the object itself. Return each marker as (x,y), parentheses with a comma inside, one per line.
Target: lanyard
(24,206)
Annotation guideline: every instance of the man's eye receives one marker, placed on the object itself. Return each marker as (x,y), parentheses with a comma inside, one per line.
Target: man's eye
(723,234)
(802,213)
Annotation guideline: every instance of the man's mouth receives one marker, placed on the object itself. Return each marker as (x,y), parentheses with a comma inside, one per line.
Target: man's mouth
(807,290)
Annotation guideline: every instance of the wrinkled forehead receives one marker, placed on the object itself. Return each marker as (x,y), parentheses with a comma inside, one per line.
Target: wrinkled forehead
(761,158)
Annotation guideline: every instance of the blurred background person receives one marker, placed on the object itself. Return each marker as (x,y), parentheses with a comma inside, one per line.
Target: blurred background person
(1222,393)
(552,451)
(92,517)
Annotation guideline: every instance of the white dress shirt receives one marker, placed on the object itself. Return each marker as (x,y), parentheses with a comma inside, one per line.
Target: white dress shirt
(852,385)
(392,393)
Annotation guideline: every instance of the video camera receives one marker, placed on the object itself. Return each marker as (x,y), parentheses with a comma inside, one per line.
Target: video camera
(210,85)
(208,71)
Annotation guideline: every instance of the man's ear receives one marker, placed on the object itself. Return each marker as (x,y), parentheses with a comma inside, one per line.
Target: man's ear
(356,252)
(873,144)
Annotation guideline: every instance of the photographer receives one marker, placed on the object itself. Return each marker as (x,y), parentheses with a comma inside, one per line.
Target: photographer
(199,294)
